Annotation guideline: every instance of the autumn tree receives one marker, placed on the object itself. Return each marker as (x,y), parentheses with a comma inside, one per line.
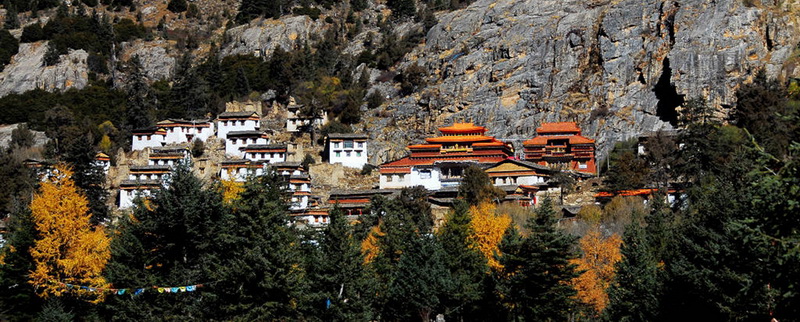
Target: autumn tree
(68,249)
(231,190)
(488,229)
(599,255)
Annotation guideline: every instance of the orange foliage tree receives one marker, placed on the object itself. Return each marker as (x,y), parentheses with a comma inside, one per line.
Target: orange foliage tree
(68,249)
(488,229)
(369,247)
(598,260)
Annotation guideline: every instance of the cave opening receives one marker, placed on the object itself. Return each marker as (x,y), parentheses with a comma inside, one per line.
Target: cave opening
(668,97)
(769,40)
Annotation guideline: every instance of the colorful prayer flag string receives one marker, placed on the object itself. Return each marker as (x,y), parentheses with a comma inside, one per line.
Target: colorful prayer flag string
(133,291)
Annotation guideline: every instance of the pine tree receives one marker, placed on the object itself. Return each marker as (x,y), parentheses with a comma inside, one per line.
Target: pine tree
(476,187)
(18,301)
(534,281)
(634,295)
(141,99)
(466,264)
(174,239)
(89,176)
(262,275)
(340,274)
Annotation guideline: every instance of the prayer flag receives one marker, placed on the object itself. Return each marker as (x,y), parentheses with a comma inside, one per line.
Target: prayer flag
(120,292)
(174,290)
(190,288)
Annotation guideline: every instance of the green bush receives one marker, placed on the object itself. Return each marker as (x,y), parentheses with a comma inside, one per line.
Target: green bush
(177,6)
(8,47)
(32,33)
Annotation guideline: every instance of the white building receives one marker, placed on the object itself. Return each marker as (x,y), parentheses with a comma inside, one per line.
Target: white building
(348,149)
(148,138)
(516,172)
(240,170)
(300,186)
(186,131)
(170,159)
(149,172)
(294,121)
(265,152)
(130,189)
(236,141)
(237,121)
(434,176)
(103,161)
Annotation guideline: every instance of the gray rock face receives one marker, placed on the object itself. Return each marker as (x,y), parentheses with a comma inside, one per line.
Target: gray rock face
(261,36)
(511,65)
(155,57)
(25,72)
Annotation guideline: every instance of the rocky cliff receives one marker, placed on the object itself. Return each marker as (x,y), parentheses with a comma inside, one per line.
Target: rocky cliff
(619,68)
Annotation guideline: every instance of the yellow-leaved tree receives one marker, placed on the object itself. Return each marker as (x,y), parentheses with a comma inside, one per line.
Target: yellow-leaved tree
(231,190)
(488,229)
(369,246)
(68,248)
(598,261)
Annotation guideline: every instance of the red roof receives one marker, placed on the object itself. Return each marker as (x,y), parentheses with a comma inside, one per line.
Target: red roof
(462,128)
(460,138)
(559,127)
(573,139)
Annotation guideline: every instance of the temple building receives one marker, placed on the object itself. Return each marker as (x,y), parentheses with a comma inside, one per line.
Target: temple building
(561,146)
(237,121)
(169,156)
(148,138)
(237,140)
(348,149)
(186,131)
(130,189)
(240,169)
(442,160)
(272,153)
(295,121)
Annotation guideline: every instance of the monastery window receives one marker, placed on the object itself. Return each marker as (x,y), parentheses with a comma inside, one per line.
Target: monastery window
(336,145)
(401,177)
(338,154)
(358,153)
(347,154)
(389,178)
(348,144)
(425,174)
(138,138)
(280,155)
(582,165)
(360,145)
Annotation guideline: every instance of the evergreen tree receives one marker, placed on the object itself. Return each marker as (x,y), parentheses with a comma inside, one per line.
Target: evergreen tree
(340,274)
(9,46)
(174,239)
(466,264)
(177,6)
(191,93)
(476,187)
(141,99)
(89,176)
(402,8)
(18,301)
(762,108)
(12,21)
(635,293)
(534,280)
(262,276)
